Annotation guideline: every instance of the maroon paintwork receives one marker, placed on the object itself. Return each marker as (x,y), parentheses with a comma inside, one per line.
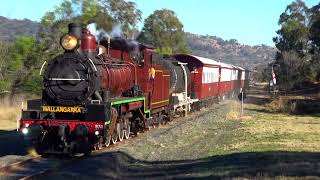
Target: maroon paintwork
(117,78)
(92,125)
(156,91)
(88,41)
(221,85)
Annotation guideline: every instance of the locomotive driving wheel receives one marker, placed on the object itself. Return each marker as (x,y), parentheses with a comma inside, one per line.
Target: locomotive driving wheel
(120,130)
(107,138)
(126,127)
(114,137)
(107,141)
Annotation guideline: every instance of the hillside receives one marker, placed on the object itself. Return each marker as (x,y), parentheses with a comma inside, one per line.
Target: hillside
(230,51)
(10,28)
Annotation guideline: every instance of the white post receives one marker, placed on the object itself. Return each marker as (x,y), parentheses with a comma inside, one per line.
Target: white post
(18,120)
(185,86)
(241,113)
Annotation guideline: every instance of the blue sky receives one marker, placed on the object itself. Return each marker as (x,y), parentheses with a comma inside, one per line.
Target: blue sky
(249,21)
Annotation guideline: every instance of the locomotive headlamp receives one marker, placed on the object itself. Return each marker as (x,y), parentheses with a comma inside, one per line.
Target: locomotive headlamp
(69,42)
(25,131)
(96,133)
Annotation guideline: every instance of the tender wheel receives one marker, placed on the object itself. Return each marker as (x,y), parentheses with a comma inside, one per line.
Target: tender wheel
(126,126)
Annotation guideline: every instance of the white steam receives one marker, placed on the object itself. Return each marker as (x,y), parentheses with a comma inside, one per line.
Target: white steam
(101,34)
(116,31)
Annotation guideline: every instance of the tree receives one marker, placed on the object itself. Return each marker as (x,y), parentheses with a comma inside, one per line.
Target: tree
(20,61)
(22,67)
(297,39)
(314,69)
(4,59)
(105,13)
(315,29)
(163,30)
(294,31)
(124,13)
(292,67)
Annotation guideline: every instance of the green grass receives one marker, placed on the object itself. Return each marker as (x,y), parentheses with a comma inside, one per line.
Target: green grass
(269,131)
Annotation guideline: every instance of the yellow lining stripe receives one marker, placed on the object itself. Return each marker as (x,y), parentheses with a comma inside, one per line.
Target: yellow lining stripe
(160,102)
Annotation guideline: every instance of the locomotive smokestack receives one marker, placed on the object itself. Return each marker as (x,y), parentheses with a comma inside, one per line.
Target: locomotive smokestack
(75,29)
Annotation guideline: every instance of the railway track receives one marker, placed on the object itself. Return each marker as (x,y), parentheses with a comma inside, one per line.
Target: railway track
(34,167)
(25,169)
(38,166)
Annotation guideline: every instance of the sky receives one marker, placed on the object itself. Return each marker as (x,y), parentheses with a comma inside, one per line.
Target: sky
(251,22)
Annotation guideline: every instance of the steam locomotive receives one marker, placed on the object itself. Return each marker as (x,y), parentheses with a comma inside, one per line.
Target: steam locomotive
(98,93)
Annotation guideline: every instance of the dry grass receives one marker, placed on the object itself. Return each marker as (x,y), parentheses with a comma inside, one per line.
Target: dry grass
(285,131)
(270,124)
(9,116)
(234,110)
(272,130)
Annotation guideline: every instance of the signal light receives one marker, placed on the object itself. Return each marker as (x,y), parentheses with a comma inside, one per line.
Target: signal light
(69,42)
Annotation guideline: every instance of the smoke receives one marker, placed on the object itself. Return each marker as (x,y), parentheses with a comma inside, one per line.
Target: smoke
(101,34)
(133,47)
(115,33)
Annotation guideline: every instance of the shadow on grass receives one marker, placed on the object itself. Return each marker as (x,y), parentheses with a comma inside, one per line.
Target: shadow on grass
(119,165)
(260,110)
(294,107)
(11,143)
(257,100)
(302,107)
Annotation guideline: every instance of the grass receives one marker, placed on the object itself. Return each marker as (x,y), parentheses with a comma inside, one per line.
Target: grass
(9,116)
(265,129)
(282,131)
